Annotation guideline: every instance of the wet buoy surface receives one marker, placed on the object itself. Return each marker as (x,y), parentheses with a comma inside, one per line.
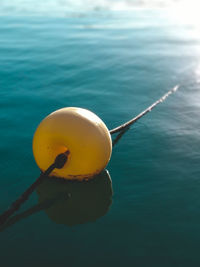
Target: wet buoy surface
(79,131)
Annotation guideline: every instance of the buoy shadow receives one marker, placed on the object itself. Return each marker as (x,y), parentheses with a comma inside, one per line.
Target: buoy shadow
(71,202)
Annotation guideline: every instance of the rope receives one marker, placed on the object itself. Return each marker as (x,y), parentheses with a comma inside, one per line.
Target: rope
(128,123)
(61,159)
(59,163)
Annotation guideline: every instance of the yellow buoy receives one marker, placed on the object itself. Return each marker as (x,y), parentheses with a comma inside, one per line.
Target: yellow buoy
(79,131)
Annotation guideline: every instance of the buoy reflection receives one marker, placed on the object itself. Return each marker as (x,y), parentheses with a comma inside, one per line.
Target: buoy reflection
(76,202)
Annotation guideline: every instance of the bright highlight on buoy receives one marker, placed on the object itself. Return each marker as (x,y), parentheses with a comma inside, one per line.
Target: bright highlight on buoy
(78,131)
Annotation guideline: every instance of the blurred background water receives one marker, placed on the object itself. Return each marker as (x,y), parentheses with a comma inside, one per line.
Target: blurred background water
(114,58)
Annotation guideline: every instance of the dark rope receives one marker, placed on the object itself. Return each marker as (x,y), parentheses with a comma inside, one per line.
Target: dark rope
(36,208)
(61,159)
(128,123)
(119,136)
(59,163)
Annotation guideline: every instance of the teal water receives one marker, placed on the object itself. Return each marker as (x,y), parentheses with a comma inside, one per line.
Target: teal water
(114,64)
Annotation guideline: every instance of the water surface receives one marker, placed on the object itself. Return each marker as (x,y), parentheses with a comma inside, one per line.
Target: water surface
(114,64)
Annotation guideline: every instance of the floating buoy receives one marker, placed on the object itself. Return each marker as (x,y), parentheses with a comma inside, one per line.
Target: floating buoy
(78,131)
(73,143)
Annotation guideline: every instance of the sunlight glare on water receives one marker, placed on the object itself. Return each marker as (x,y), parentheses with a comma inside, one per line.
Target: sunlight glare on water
(114,58)
(187,12)
(62,7)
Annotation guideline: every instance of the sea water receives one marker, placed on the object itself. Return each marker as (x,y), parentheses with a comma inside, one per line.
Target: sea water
(114,63)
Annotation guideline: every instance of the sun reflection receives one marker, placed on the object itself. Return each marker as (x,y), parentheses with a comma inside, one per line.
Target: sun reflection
(187,12)
(197,74)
